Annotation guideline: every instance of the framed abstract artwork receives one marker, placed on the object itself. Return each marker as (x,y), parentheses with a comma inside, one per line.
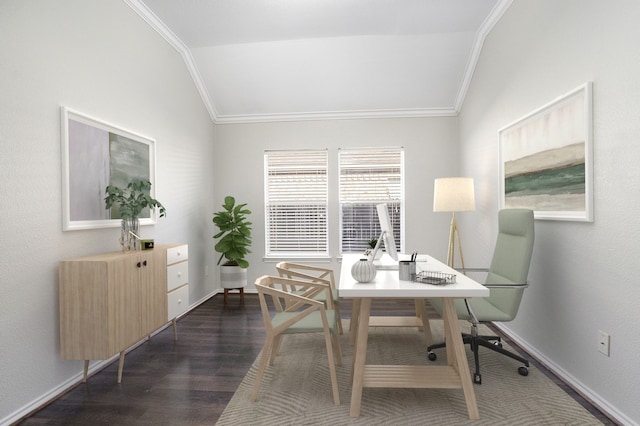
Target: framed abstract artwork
(96,154)
(546,159)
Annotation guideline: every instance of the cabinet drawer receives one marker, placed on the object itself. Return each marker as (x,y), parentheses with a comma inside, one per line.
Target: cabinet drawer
(177,275)
(177,254)
(177,302)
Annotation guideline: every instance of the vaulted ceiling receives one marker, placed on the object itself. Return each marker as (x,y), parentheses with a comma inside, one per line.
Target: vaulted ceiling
(271,60)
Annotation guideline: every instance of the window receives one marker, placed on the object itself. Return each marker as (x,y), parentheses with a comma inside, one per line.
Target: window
(369,177)
(296,202)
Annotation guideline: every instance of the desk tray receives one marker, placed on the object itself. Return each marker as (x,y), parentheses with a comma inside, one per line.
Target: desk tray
(435,278)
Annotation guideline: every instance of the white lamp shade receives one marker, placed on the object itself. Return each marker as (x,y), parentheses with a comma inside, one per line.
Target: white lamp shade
(453,194)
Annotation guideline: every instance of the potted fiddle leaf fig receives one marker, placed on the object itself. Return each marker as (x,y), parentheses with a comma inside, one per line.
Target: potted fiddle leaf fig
(129,203)
(234,240)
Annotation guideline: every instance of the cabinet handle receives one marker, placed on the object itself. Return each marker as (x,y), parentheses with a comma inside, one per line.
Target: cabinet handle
(144,263)
(138,264)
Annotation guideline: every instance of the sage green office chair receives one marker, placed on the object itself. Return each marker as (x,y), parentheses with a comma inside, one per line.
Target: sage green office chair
(506,278)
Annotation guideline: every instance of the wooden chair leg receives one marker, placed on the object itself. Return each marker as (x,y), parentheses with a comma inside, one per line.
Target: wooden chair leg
(353,325)
(275,348)
(332,367)
(336,338)
(268,343)
(337,308)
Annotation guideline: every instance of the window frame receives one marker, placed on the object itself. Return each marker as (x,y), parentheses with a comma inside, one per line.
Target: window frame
(322,206)
(377,198)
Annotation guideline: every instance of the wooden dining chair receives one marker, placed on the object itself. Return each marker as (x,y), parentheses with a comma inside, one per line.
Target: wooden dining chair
(314,273)
(296,311)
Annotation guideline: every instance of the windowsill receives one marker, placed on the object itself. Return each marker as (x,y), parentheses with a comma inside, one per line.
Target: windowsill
(303,259)
(297,259)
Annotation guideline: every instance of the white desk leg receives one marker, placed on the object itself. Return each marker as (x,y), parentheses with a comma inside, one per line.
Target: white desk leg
(360,356)
(456,355)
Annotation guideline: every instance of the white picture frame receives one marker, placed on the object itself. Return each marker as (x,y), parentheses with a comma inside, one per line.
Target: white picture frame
(546,159)
(96,154)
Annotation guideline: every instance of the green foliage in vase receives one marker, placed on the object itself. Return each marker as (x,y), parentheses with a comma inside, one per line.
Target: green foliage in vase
(131,200)
(235,233)
(372,243)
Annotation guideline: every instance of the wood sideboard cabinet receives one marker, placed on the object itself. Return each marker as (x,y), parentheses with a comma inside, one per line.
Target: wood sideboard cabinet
(111,301)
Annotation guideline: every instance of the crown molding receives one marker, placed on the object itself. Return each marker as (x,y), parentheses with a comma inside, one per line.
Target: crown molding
(159,26)
(150,18)
(498,10)
(337,115)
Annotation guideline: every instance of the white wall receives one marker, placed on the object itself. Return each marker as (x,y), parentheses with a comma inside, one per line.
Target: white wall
(431,151)
(101,59)
(584,275)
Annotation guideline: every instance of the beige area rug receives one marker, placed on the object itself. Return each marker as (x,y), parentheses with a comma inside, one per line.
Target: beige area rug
(297,389)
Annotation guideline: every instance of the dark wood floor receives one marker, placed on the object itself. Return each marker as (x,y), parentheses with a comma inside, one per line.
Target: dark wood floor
(191,380)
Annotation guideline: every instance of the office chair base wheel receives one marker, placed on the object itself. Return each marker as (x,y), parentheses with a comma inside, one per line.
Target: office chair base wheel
(523,371)
(432,356)
(477,378)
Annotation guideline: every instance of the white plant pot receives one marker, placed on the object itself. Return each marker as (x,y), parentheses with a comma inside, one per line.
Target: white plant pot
(233,277)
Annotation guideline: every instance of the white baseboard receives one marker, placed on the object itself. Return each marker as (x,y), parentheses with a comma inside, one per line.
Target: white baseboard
(54,393)
(578,386)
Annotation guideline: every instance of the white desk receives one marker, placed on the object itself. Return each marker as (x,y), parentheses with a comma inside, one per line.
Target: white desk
(387,285)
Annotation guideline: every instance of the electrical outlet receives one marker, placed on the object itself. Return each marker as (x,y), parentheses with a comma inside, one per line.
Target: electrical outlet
(603,342)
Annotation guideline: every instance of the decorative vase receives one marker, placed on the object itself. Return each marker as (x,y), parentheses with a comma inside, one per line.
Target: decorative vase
(363,271)
(130,234)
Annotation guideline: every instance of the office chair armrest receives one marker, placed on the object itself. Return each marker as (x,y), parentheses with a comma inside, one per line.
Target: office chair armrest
(472,269)
(525,285)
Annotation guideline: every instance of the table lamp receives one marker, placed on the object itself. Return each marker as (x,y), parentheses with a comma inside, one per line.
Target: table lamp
(454,194)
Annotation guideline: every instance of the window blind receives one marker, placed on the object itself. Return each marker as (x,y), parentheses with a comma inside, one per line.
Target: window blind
(296,202)
(368,177)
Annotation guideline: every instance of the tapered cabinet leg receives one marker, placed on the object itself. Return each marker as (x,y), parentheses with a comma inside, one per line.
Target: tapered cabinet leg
(86,370)
(174,323)
(120,366)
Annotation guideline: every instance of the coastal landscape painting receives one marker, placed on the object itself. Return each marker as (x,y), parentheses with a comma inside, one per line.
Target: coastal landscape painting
(546,159)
